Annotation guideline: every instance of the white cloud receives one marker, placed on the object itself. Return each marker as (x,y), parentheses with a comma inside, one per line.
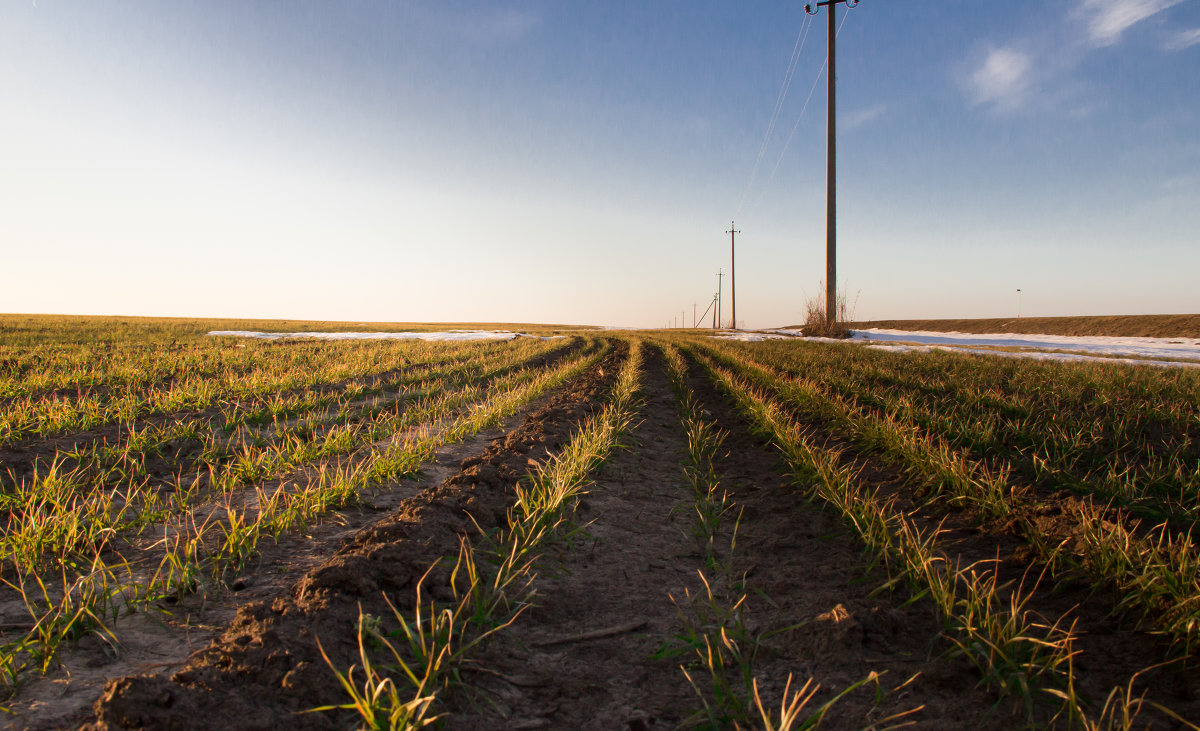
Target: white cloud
(1108,19)
(860,117)
(1003,78)
(1183,39)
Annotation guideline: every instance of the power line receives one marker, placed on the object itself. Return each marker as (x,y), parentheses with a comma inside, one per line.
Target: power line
(796,126)
(793,62)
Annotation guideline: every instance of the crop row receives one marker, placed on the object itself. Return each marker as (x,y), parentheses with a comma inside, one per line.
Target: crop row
(241,433)
(203,539)
(714,631)
(1130,435)
(262,373)
(59,515)
(491,583)
(1155,574)
(1017,653)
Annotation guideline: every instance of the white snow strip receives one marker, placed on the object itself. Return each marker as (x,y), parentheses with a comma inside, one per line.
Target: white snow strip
(1132,351)
(1182,348)
(428,336)
(1035,354)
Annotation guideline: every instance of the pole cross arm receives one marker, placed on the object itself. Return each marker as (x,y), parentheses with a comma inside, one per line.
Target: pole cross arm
(812,9)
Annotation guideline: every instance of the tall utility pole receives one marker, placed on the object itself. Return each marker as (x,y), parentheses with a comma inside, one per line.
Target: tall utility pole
(733,276)
(693,315)
(831,167)
(717,322)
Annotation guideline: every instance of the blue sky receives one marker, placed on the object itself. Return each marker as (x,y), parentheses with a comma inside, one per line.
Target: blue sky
(579,162)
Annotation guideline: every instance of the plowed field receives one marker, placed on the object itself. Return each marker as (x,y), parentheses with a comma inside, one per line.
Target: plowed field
(597,531)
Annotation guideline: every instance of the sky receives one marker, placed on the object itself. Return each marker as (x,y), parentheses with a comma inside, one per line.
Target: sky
(580,161)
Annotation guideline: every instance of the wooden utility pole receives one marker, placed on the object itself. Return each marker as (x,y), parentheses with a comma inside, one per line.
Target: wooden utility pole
(693,315)
(831,167)
(733,276)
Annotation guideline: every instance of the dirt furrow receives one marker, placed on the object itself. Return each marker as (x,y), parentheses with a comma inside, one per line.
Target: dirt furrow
(264,667)
(598,650)
(809,576)
(1109,650)
(581,658)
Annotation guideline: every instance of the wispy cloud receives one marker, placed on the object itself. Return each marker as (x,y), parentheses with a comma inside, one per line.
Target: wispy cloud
(858,118)
(1002,79)
(1183,39)
(1107,20)
(484,27)
(1041,69)
(512,24)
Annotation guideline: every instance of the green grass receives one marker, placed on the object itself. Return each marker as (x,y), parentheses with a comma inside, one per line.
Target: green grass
(270,461)
(492,582)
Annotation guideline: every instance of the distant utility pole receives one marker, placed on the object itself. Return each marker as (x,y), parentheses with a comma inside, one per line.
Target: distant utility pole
(693,315)
(717,321)
(831,168)
(732,276)
(1018,304)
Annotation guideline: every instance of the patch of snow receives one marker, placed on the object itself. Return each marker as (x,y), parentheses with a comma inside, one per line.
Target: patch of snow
(427,336)
(1182,348)
(1091,348)
(1035,354)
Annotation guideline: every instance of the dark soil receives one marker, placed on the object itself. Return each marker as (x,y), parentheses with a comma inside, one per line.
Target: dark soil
(265,667)
(1111,648)
(805,567)
(809,595)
